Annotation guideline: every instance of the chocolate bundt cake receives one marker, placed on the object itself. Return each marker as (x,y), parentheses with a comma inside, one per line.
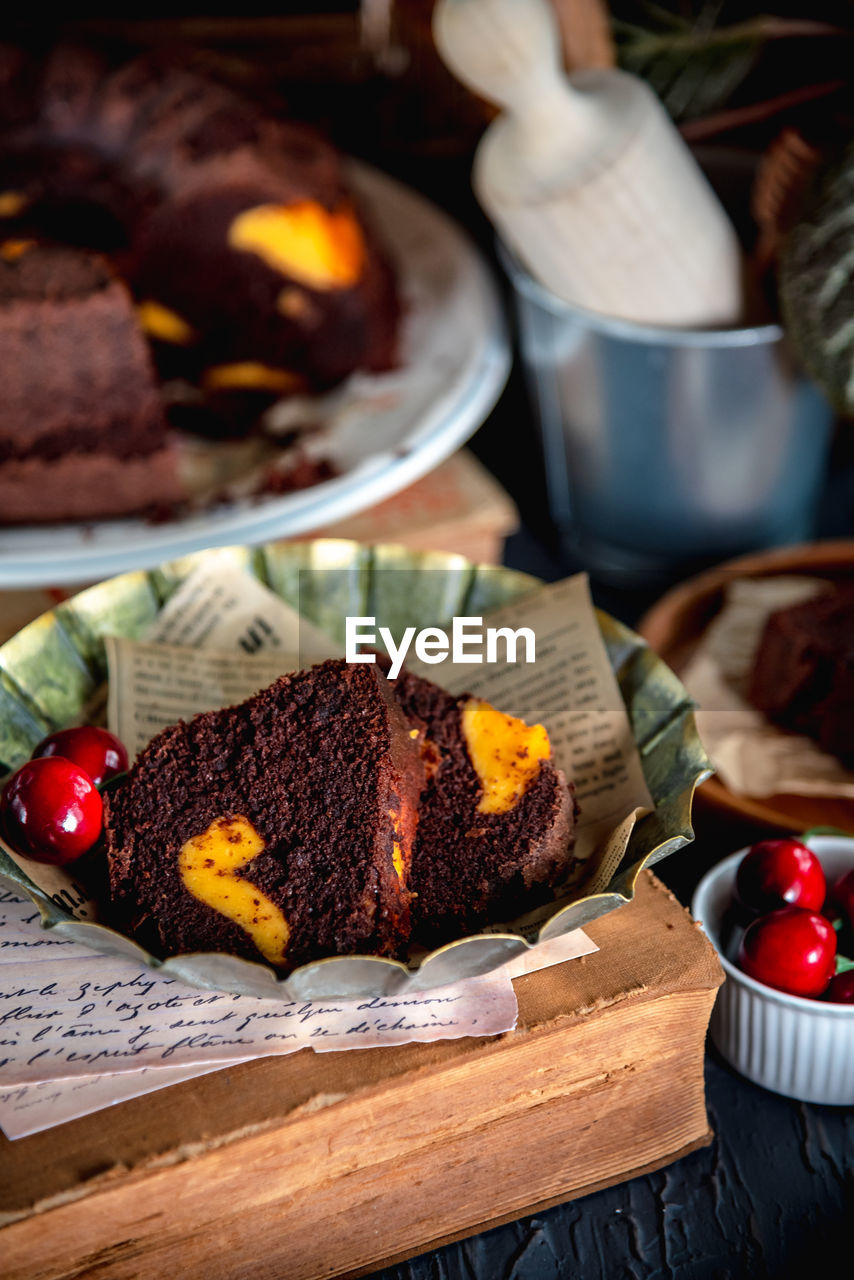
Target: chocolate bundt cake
(253,268)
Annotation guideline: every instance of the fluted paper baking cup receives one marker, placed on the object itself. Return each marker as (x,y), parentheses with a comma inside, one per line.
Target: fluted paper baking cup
(54,671)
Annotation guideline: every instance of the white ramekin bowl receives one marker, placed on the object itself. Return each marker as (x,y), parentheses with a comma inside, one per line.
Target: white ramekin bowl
(800,1048)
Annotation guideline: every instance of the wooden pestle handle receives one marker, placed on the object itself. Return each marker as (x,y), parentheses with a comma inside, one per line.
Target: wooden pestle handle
(586,177)
(507,51)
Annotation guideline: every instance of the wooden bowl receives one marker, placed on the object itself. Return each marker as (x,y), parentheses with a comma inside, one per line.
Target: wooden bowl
(673,628)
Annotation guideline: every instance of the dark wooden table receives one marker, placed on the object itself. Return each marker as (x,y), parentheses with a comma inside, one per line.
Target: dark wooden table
(772,1198)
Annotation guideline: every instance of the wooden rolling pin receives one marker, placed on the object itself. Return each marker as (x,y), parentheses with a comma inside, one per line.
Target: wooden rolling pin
(585,176)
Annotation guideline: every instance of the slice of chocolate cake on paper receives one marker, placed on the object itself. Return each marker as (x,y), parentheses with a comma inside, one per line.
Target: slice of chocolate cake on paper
(280,829)
(803,674)
(496,826)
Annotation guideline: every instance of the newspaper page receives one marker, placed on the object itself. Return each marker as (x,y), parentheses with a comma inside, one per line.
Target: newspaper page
(155,685)
(219,606)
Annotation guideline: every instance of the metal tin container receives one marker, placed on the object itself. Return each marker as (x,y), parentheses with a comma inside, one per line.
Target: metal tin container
(668,449)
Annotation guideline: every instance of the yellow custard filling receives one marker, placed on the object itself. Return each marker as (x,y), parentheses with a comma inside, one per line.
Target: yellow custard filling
(163,323)
(12,203)
(397,848)
(505,753)
(304,241)
(403,823)
(208,864)
(248,375)
(10,250)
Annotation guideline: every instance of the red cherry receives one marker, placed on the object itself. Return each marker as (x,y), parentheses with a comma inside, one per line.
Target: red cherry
(842,897)
(51,810)
(841,988)
(779,873)
(97,752)
(791,949)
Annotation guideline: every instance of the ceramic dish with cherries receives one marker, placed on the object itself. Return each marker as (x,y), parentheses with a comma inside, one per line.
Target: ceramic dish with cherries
(781,915)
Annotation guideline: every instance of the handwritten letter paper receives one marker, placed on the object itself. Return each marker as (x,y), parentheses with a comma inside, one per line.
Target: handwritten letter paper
(83,1030)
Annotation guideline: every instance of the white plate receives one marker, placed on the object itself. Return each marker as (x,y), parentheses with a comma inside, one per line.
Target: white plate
(381,432)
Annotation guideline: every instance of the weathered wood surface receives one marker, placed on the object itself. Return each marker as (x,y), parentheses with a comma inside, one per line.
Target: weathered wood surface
(329,1164)
(771,1198)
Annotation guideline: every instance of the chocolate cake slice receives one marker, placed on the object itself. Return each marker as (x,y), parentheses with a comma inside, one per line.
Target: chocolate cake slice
(803,673)
(279,830)
(496,824)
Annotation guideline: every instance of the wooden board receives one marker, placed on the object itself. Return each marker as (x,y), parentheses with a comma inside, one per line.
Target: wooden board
(458,507)
(673,628)
(335,1164)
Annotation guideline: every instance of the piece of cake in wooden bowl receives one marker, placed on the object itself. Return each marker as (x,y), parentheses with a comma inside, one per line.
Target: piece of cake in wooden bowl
(803,671)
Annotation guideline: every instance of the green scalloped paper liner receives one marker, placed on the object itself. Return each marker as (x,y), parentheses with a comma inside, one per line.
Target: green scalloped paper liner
(67,645)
